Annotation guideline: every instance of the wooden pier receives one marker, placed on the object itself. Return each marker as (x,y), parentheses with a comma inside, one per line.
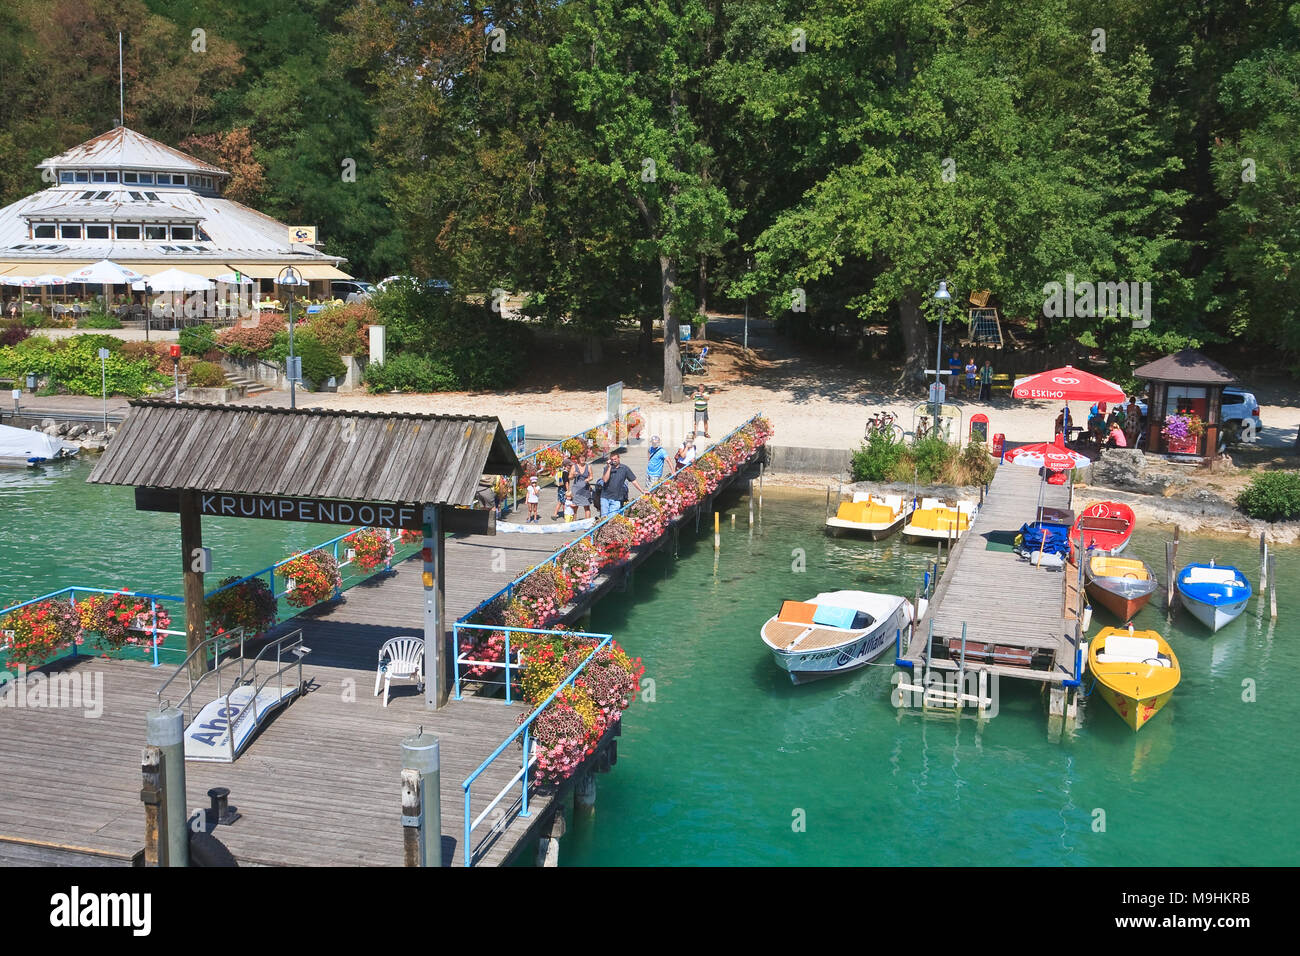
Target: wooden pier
(1019,620)
(319,784)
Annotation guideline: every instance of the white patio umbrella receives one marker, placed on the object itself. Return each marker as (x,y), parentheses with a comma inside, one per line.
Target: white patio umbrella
(43,280)
(105,272)
(174,280)
(228,278)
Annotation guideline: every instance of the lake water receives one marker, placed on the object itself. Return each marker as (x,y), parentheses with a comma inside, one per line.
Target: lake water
(730,764)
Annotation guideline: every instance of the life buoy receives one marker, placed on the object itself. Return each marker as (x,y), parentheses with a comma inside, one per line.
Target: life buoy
(1131,574)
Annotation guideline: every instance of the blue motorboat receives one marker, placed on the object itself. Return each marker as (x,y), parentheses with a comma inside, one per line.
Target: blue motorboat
(1215,594)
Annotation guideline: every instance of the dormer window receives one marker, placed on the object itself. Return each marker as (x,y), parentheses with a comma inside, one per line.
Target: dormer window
(96,232)
(69,231)
(182,232)
(130,177)
(128,232)
(146,179)
(45,230)
(156,232)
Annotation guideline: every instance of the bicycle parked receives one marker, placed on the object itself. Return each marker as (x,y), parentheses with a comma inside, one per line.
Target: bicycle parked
(884,423)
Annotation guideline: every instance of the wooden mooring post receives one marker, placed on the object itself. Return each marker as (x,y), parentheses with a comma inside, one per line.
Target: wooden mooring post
(1263,563)
(1272,588)
(1171,562)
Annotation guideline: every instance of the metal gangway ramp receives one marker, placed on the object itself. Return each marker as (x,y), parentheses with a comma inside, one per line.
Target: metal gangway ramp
(223,727)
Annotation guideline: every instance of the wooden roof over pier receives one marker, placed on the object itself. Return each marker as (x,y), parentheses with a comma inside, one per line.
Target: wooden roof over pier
(317,453)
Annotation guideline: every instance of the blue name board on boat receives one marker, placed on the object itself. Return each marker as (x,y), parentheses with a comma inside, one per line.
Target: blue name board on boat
(515,436)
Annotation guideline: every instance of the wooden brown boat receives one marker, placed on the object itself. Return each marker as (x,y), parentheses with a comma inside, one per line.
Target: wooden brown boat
(1120,585)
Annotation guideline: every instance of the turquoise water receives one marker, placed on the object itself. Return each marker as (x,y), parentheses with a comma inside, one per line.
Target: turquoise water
(57,531)
(729,758)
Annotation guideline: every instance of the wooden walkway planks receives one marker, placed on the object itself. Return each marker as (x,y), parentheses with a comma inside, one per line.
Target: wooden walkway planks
(319,784)
(999,597)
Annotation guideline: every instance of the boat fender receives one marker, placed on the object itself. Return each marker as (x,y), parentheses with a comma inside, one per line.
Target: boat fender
(1020,540)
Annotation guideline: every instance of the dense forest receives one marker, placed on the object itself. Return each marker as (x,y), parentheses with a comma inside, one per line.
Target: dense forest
(639,159)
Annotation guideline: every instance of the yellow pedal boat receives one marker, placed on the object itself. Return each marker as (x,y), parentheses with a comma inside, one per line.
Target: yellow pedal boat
(934,520)
(1136,672)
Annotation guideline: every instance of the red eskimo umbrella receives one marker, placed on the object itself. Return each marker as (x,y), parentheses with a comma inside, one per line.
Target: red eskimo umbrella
(1068,384)
(1053,456)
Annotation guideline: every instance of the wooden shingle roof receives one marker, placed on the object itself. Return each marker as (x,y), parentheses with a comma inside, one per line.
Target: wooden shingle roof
(311,453)
(1186,367)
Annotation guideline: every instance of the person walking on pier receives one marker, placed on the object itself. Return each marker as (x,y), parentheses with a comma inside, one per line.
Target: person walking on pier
(580,486)
(561,485)
(702,409)
(614,482)
(533,497)
(655,464)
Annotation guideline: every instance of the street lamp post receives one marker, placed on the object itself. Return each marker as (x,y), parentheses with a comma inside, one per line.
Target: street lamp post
(289,278)
(936,399)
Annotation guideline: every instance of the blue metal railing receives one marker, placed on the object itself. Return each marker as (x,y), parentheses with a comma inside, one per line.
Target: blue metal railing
(582,435)
(524,731)
(71,593)
(504,663)
(508,590)
(154,599)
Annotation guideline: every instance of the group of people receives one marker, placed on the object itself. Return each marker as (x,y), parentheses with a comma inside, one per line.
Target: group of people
(975,376)
(1117,428)
(579,485)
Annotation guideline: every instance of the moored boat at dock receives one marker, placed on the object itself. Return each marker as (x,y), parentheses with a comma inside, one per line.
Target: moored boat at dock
(1215,595)
(24,448)
(1104,527)
(870,516)
(935,520)
(835,632)
(1122,586)
(1136,672)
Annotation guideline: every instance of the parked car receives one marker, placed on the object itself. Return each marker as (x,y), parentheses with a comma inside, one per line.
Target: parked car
(437,285)
(351,290)
(1237,409)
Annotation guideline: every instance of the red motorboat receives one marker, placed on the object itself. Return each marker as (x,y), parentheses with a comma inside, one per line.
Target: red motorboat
(1105,527)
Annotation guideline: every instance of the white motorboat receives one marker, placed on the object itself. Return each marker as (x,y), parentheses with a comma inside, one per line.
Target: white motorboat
(836,632)
(869,515)
(26,448)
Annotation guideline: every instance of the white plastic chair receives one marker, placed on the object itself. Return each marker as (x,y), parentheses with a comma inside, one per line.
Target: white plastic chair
(405,661)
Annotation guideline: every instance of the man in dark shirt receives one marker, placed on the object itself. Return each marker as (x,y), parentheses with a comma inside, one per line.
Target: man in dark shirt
(615,480)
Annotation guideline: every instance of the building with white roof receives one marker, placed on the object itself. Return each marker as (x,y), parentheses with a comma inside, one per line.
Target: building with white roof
(126,197)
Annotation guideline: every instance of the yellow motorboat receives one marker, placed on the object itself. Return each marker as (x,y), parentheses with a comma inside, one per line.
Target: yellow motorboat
(874,516)
(1136,672)
(936,520)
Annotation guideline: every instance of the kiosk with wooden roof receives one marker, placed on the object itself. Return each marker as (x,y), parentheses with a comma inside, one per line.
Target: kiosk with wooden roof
(414,472)
(1185,383)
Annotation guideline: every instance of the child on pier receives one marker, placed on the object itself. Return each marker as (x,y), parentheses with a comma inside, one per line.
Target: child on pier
(533,499)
